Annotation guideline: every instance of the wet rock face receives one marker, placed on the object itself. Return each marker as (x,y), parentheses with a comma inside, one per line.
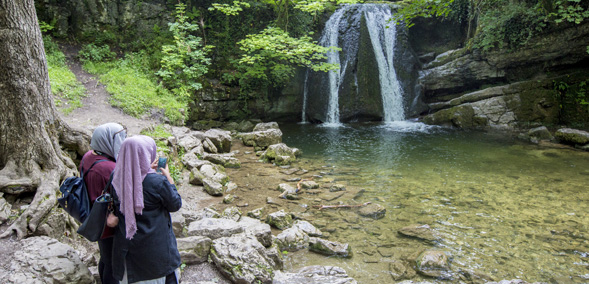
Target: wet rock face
(456,82)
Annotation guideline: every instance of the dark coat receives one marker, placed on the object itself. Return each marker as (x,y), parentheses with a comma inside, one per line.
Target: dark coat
(153,252)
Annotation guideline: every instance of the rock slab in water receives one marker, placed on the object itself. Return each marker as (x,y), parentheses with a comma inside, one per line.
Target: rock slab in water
(373,210)
(329,248)
(572,136)
(314,274)
(434,264)
(424,232)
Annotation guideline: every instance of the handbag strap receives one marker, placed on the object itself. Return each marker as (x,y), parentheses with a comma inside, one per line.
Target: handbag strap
(108,184)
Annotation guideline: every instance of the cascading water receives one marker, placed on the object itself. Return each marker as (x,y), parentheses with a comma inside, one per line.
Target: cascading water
(330,38)
(352,92)
(382,37)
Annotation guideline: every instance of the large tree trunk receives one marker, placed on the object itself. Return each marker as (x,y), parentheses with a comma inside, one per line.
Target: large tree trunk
(31,130)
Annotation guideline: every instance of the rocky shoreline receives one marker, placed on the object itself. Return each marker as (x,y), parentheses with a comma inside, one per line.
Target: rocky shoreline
(247,202)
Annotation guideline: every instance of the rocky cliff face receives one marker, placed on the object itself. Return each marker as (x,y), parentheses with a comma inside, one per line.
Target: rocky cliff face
(509,89)
(135,18)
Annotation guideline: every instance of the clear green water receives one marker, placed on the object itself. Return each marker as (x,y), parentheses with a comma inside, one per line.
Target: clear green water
(505,208)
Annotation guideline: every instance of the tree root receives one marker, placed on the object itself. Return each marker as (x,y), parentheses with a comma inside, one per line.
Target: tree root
(45,181)
(321,207)
(45,199)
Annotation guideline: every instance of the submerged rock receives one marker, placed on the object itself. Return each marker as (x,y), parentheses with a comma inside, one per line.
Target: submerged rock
(435,264)
(424,232)
(373,210)
(329,247)
(314,274)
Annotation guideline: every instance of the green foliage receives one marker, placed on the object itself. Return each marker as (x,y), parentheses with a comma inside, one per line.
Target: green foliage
(156,132)
(509,25)
(160,135)
(578,92)
(570,11)
(92,52)
(230,10)
(135,91)
(46,27)
(66,89)
(422,8)
(272,55)
(185,61)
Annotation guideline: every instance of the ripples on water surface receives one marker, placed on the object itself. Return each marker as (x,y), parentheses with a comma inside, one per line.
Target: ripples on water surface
(505,208)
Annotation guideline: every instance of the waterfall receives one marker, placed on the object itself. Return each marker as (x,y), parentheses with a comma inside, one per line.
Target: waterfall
(305,92)
(330,38)
(382,37)
(343,30)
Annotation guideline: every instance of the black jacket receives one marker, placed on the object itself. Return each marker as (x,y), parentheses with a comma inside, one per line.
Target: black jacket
(153,252)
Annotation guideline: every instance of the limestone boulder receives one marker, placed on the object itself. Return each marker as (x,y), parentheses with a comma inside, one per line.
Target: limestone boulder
(194,249)
(572,136)
(243,259)
(214,228)
(46,260)
(292,239)
(314,274)
(326,247)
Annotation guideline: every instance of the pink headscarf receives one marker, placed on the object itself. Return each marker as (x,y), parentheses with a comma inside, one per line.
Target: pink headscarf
(133,164)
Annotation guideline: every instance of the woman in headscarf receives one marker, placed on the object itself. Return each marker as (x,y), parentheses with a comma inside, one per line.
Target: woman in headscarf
(145,249)
(97,165)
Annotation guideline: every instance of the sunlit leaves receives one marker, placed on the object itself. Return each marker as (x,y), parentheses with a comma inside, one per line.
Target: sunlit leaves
(230,10)
(185,61)
(570,11)
(272,55)
(422,8)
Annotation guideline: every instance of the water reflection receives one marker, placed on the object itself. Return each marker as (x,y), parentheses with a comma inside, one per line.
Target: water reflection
(505,209)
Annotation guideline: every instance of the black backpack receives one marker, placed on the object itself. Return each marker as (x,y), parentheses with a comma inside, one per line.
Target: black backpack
(74,195)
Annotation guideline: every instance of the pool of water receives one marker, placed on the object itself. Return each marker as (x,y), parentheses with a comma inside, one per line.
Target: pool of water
(505,208)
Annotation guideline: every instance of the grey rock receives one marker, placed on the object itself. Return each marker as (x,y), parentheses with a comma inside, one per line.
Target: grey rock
(572,136)
(373,210)
(329,247)
(540,132)
(279,219)
(214,228)
(209,146)
(308,228)
(434,264)
(314,275)
(280,154)
(260,140)
(231,213)
(424,232)
(292,239)
(261,231)
(243,259)
(226,160)
(194,249)
(266,126)
(220,138)
(46,260)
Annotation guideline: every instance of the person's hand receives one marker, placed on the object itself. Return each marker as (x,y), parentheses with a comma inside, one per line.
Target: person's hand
(154,165)
(166,172)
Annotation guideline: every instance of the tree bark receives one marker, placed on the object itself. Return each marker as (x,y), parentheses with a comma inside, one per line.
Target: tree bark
(31,157)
